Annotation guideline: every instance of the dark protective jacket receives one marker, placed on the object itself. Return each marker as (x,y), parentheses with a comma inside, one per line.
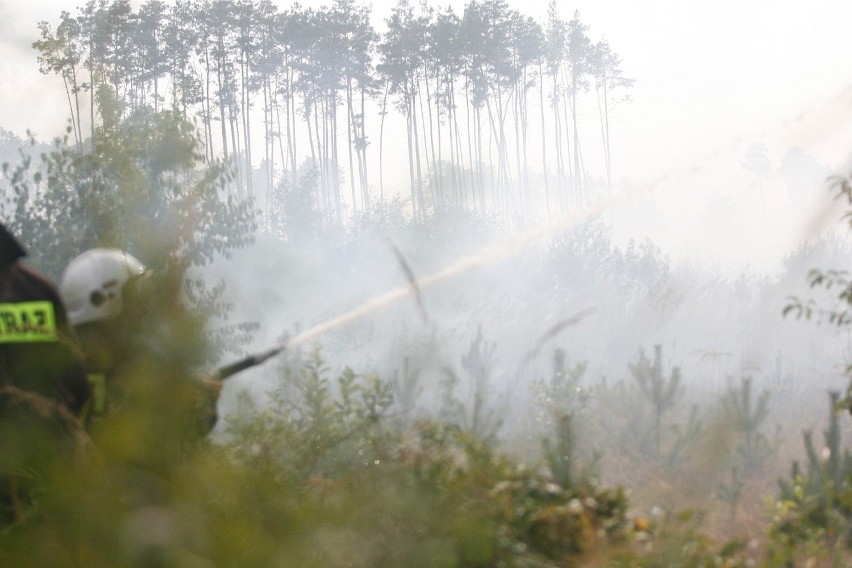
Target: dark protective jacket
(43,383)
(37,348)
(38,353)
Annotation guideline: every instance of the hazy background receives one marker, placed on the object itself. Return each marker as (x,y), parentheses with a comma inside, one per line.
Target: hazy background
(712,79)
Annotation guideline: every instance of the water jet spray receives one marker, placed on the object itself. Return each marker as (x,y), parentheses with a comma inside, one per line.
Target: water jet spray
(484,257)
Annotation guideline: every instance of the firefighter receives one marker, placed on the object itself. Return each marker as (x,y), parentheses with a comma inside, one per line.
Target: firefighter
(93,287)
(137,347)
(43,384)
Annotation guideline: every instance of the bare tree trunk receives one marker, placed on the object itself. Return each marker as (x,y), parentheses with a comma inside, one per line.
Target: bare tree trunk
(381,145)
(479,164)
(503,148)
(543,142)
(316,154)
(517,117)
(276,105)
(578,169)
(455,135)
(524,110)
(235,140)
(349,120)
(268,139)
(572,189)
(608,149)
(324,153)
(560,165)
(474,187)
(222,113)
(75,116)
(246,122)
(409,104)
(207,106)
(453,163)
(335,159)
(362,153)
(428,159)
(497,187)
(92,91)
(440,167)
(572,185)
(416,134)
(292,122)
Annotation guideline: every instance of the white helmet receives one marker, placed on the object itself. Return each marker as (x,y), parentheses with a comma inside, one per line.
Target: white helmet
(92,284)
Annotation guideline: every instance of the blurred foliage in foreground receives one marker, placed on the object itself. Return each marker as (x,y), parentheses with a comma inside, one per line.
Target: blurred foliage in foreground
(322,477)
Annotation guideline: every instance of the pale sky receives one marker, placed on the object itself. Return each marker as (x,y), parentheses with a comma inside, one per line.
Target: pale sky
(712,78)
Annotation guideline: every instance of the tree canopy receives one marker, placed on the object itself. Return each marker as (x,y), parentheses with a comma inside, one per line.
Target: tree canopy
(272,89)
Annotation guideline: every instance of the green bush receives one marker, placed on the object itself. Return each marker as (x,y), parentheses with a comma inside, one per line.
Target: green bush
(814,509)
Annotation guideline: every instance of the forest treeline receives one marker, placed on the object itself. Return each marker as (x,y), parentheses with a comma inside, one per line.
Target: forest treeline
(492,100)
